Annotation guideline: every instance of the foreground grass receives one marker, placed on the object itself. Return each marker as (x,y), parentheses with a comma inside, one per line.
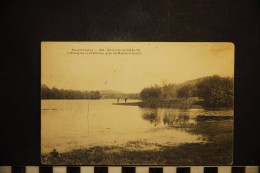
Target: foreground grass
(217,151)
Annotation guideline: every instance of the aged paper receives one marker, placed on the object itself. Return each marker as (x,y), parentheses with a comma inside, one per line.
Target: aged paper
(137,103)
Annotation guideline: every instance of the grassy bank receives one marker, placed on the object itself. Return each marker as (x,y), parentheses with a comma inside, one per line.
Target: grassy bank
(217,151)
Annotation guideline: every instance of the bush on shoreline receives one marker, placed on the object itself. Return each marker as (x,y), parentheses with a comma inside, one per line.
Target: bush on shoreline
(170,103)
(210,92)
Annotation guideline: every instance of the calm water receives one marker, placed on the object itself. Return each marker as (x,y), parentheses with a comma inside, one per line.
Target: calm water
(73,124)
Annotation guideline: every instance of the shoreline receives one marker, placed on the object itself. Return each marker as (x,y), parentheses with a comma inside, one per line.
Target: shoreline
(158,105)
(128,104)
(218,150)
(166,104)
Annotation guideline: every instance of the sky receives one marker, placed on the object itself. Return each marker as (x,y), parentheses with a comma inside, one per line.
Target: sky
(72,65)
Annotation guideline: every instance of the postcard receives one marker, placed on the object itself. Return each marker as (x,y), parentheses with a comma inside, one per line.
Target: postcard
(137,103)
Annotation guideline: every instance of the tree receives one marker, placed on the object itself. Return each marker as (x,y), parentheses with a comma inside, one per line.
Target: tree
(216,91)
(169,91)
(153,92)
(45,92)
(55,93)
(185,91)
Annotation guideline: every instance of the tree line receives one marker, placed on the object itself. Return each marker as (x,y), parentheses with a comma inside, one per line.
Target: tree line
(211,92)
(55,93)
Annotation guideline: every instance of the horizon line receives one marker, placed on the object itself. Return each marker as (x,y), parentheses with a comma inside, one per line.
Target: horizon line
(232,76)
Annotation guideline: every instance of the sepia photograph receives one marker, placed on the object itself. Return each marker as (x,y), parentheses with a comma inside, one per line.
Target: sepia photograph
(137,103)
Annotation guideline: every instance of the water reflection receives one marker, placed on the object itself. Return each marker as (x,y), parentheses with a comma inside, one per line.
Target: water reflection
(70,124)
(152,116)
(175,119)
(167,117)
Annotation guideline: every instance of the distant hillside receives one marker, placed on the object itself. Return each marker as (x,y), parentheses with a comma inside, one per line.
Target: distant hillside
(116,94)
(194,81)
(103,92)
(111,94)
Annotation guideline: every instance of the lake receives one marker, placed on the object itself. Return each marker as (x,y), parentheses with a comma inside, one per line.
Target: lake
(74,124)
